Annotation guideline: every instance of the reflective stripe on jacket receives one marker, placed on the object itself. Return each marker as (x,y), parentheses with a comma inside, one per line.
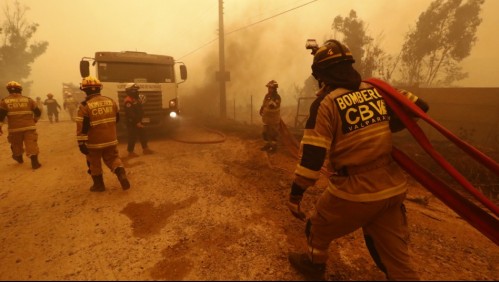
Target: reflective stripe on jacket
(96,122)
(351,129)
(20,112)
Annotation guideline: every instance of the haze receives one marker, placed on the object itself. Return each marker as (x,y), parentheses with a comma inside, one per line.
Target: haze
(261,51)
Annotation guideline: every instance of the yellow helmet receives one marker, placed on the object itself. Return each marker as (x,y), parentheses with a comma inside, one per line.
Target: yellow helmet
(90,83)
(14,87)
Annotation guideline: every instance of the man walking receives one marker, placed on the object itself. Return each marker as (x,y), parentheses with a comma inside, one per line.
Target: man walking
(96,134)
(22,115)
(351,126)
(70,105)
(53,108)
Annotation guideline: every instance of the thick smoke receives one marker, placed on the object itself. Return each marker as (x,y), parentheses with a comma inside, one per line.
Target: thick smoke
(253,57)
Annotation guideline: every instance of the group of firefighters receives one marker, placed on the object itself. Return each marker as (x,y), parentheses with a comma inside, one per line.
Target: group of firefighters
(95,119)
(349,125)
(53,107)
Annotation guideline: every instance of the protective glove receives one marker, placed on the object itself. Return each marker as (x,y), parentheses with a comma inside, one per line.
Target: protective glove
(294,206)
(83,148)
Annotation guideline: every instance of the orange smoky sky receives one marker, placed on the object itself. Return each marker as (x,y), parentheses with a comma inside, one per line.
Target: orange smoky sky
(264,39)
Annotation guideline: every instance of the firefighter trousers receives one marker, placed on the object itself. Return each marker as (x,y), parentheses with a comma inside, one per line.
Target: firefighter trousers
(385,228)
(135,133)
(110,157)
(24,139)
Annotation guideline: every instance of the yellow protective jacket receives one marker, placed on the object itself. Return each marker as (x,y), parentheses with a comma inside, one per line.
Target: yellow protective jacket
(351,130)
(96,122)
(22,112)
(271,109)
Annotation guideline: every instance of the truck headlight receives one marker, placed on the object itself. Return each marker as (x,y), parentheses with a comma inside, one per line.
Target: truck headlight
(173,114)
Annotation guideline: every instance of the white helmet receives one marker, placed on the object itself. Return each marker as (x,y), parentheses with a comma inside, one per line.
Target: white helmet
(131,87)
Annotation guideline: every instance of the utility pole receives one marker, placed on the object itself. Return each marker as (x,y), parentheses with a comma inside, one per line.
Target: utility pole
(222,76)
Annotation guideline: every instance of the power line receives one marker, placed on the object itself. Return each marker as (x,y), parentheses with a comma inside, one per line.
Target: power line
(275,10)
(271,17)
(244,27)
(204,45)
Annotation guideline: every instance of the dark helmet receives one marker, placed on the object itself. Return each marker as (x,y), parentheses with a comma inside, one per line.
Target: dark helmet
(272,84)
(14,87)
(331,53)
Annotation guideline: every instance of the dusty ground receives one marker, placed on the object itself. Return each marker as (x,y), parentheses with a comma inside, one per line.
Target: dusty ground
(212,211)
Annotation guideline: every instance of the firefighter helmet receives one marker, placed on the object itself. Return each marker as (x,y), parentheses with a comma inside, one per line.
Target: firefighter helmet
(131,87)
(90,83)
(332,52)
(14,87)
(272,84)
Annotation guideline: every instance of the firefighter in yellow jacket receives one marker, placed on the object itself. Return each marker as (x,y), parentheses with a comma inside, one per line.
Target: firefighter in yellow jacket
(22,114)
(96,134)
(351,127)
(271,117)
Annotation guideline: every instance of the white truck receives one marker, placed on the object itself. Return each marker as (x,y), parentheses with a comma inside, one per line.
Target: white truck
(158,77)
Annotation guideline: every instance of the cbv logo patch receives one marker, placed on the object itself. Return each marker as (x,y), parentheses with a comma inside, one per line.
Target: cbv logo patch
(361,108)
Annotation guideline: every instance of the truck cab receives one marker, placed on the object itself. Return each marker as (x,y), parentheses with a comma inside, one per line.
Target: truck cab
(158,77)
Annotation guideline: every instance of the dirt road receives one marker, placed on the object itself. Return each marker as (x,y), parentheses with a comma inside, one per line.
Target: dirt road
(213,211)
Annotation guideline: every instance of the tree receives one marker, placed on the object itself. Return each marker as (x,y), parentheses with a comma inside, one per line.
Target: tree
(16,51)
(444,35)
(370,58)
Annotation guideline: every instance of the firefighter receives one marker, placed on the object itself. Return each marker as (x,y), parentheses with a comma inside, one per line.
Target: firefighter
(133,117)
(96,134)
(70,105)
(23,114)
(271,117)
(349,124)
(53,107)
(39,104)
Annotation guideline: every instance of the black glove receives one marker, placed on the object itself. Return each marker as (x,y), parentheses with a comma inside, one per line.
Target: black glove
(294,202)
(83,148)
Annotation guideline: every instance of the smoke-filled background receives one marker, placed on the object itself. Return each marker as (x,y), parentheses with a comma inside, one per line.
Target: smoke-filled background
(264,40)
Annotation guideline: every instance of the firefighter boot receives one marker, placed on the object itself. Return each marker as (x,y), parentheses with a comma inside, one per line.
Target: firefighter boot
(311,271)
(98,184)
(18,159)
(120,172)
(34,162)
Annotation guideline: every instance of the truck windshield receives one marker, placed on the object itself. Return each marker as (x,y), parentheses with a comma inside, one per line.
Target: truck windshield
(123,72)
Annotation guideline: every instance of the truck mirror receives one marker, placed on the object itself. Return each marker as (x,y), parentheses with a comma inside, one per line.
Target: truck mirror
(84,68)
(183,72)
